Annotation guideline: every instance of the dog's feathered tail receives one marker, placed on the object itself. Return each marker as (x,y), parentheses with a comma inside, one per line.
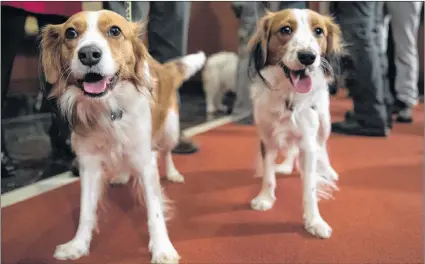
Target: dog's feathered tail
(185,67)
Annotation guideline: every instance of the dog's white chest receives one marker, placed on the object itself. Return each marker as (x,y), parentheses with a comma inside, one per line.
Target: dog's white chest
(276,122)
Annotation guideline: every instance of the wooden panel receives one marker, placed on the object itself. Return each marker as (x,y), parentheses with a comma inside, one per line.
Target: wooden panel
(213,27)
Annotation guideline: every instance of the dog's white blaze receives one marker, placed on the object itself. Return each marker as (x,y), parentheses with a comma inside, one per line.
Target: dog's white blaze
(303,39)
(92,36)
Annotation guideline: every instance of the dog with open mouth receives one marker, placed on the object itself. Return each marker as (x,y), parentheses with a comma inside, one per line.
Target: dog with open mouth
(123,109)
(291,105)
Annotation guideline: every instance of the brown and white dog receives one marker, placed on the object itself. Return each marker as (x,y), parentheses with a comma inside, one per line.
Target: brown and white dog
(291,105)
(122,107)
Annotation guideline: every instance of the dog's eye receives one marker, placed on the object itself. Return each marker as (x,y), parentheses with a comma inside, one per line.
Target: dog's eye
(286,30)
(70,33)
(318,31)
(114,31)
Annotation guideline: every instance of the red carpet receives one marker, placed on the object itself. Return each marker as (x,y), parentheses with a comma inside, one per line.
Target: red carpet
(377,217)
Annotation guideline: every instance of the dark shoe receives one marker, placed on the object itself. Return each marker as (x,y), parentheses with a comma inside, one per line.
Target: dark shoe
(185,146)
(349,116)
(404,116)
(398,106)
(8,166)
(75,169)
(403,112)
(333,89)
(354,128)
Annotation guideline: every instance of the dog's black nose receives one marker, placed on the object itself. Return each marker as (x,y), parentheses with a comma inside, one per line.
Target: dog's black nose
(306,57)
(90,55)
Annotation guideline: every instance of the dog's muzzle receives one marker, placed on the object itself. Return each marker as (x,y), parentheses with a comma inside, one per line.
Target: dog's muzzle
(299,79)
(97,85)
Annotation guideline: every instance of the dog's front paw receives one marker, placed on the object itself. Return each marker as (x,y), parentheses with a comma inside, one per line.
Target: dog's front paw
(318,227)
(175,177)
(120,179)
(74,249)
(284,168)
(164,253)
(333,175)
(263,202)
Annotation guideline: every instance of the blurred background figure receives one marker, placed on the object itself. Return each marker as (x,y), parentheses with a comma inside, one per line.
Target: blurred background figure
(404,18)
(13,18)
(248,14)
(167,31)
(362,27)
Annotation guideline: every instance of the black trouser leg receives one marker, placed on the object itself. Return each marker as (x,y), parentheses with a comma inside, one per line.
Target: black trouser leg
(358,21)
(12,34)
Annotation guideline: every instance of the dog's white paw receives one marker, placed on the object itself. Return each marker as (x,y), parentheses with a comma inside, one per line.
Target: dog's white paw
(318,227)
(164,253)
(326,171)
(284,168)
(262,202)
(120,180)
(74,249)
(211,109)
(175,177)
(333,174)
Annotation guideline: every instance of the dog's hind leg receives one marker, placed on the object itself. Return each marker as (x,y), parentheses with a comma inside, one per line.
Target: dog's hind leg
(122,178)
(218,100)
(168,142)
(91,188)
(266,198)
(287,166)
(172,173)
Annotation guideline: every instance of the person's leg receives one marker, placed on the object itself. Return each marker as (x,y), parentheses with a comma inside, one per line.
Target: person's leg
(381,33)
(249,13)
(404,24)
(139,10)
(12,30)
(358,21)
(292,4)
(168,29)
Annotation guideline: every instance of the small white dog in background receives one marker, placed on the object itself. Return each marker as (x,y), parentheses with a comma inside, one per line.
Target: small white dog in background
(219,77)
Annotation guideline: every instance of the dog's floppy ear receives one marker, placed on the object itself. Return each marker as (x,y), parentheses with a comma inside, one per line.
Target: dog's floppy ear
(334,38)
(141,54)
(258,43)
(50,53)
(334,50)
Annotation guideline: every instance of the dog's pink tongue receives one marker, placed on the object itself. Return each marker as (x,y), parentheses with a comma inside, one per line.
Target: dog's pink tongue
(302,85)
(96,87)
